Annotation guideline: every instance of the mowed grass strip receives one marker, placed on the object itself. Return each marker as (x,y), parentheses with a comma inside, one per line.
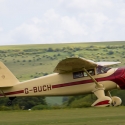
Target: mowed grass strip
(84,116)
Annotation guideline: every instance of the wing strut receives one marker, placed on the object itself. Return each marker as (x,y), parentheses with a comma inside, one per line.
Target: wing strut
(2,93)
(102,100)
(97,84)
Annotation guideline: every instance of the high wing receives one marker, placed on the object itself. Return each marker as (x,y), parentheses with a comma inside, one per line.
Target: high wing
(74,64)
(77,63)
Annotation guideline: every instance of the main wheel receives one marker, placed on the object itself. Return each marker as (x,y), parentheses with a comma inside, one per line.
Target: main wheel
(116,101)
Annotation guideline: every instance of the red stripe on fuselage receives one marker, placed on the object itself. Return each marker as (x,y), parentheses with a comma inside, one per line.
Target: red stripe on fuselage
(15,92)
(110,78)
(72,83)
(12,93)
(116,77)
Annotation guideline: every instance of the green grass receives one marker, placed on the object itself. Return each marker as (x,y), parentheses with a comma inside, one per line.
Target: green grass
(84,116)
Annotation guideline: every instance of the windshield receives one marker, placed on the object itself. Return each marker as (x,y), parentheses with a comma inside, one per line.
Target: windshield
(102,69)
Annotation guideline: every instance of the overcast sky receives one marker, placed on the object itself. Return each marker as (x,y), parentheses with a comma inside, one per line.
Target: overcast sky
(58,21)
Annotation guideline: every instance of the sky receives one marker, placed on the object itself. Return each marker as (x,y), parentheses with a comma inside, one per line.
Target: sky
(61,21)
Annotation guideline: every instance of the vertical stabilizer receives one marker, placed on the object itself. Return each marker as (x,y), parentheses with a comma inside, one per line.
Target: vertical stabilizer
(7,79)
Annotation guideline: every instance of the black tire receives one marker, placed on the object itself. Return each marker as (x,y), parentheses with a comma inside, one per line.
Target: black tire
(9,103)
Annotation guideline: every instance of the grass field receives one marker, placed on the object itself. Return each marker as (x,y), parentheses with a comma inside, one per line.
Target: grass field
(84,116)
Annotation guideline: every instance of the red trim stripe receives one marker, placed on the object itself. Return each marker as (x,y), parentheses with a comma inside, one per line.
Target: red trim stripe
(71,83)
(13,93)
(117,77)
(105,102)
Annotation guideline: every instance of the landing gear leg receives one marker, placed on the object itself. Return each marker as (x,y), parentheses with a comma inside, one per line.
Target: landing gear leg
(102,100)
(9,103)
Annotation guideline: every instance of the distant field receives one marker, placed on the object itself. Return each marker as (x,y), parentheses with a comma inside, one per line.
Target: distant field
(84,116)
(29,61)
(39,46)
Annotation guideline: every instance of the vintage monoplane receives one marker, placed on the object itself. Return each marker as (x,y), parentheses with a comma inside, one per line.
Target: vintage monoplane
(72,76)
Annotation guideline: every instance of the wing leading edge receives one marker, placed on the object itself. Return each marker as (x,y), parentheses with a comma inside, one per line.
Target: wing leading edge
(77,63)
(74,64)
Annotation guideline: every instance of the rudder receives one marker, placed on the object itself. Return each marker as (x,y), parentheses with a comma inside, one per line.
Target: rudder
(7,79)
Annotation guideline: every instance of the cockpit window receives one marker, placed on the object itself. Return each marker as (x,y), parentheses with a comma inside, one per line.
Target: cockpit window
(102,69)
(81,74)
(91,72)
(78,74)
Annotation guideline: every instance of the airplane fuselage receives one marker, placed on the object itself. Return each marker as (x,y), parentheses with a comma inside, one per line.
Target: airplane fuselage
(65,84)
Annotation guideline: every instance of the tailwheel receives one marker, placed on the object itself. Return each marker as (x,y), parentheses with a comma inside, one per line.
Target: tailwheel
(116,101)
(10,102)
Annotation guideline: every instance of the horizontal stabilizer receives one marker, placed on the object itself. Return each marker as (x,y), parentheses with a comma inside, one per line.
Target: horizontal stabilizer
(7,79)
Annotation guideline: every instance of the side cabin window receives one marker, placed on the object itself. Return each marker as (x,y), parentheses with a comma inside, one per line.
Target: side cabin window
(81,74)
(91,72)
(78,74)
(102,69)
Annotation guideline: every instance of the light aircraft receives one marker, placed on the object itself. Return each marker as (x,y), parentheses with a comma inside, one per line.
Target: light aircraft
(72,76)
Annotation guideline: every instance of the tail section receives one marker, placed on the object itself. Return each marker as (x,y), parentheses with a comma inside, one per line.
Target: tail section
(7,79)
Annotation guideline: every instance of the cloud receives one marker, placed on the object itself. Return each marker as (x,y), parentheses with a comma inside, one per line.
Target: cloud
(27,33)
(121,17)
(1,29)
(35,20)
(61,21)
(51,28)
(72,26)
(90,5)
(3,7)
(51,15)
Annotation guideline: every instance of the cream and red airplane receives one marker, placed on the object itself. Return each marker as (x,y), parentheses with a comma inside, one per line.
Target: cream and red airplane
(72,76)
